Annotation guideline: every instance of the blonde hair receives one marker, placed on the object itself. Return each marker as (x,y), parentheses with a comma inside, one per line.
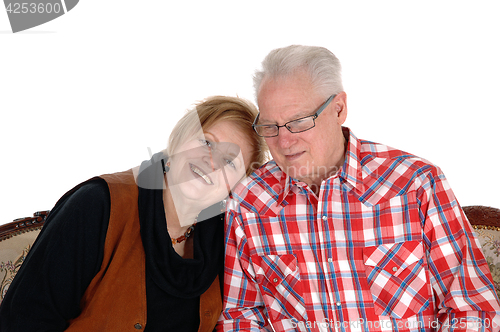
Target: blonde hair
(214,110)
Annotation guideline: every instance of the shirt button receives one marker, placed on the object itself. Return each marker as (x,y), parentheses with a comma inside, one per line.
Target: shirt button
(338,304)
(394,269)
(330,260)
(275,280)
(324,218)
(138,326)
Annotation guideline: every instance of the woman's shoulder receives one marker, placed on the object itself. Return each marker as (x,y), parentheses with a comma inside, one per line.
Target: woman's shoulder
(86,205)
(91,192)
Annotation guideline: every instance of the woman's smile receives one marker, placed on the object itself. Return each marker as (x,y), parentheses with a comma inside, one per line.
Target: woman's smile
(201,174)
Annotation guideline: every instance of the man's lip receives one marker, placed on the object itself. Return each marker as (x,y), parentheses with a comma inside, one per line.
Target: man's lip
(294,156)
(199,172)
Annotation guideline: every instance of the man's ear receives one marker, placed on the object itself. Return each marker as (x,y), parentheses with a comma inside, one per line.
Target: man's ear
(341,107)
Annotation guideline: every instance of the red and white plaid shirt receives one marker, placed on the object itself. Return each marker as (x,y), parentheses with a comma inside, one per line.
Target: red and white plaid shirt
(385,246)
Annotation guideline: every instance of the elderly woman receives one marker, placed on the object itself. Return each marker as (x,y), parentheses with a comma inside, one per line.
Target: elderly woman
(141,249)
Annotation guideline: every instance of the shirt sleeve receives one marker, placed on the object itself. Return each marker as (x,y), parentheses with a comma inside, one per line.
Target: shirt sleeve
(460,276)
(243,306)
(46,292)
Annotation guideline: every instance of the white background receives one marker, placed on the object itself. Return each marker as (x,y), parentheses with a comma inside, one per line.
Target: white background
(89,92)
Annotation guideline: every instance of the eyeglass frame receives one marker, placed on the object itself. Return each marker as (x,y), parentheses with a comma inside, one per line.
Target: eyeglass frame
(313,116)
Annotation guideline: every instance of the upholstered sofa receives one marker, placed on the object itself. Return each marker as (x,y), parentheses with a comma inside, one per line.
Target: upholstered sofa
(486,223)
(17,237)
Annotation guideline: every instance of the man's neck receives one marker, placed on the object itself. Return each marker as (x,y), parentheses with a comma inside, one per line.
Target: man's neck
(314,182)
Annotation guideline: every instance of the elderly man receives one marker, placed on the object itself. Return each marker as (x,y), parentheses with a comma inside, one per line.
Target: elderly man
(342,234)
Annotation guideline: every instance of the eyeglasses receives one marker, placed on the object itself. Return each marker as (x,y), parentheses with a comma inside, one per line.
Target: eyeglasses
(294,126)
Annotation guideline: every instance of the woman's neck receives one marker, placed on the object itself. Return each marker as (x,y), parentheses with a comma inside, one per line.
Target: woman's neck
(180,215)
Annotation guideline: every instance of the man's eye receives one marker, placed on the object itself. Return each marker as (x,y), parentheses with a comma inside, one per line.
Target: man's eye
(299,121)
(268,129)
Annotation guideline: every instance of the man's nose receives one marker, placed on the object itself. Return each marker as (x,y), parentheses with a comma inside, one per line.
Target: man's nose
(285,138)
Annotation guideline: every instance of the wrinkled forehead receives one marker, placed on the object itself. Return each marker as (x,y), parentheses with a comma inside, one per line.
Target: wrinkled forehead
(287,98)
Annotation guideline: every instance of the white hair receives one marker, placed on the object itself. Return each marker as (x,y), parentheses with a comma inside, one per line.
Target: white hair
(320,63)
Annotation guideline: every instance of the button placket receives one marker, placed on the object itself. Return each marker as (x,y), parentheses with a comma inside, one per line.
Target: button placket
(330,225)
(324,225)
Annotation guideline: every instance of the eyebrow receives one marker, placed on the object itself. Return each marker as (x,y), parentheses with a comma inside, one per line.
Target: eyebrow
(212,135)
(297,116)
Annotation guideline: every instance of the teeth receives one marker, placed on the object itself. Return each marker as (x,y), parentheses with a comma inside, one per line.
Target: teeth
(200,173)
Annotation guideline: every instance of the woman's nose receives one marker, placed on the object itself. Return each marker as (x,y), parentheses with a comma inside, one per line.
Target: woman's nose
(214,159)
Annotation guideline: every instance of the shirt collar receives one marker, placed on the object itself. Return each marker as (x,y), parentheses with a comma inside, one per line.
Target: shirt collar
(288,183)
(352,170)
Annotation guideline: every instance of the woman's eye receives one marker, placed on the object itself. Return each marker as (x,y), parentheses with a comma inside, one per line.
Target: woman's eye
(206,143)
(230,163)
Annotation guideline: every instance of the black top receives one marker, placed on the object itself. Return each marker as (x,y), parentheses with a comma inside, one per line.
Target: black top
(68,253)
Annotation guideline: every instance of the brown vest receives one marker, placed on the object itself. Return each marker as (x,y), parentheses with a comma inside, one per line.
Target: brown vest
(116,298)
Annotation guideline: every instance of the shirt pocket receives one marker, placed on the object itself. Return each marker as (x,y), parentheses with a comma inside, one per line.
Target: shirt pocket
(397,279)
(279,281)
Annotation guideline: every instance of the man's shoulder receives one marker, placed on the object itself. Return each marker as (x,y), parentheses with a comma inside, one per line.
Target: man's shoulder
(372,153)
(386,172)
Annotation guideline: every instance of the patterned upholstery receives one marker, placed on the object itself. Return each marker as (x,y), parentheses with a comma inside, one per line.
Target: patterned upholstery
(486,223)
(16,239)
